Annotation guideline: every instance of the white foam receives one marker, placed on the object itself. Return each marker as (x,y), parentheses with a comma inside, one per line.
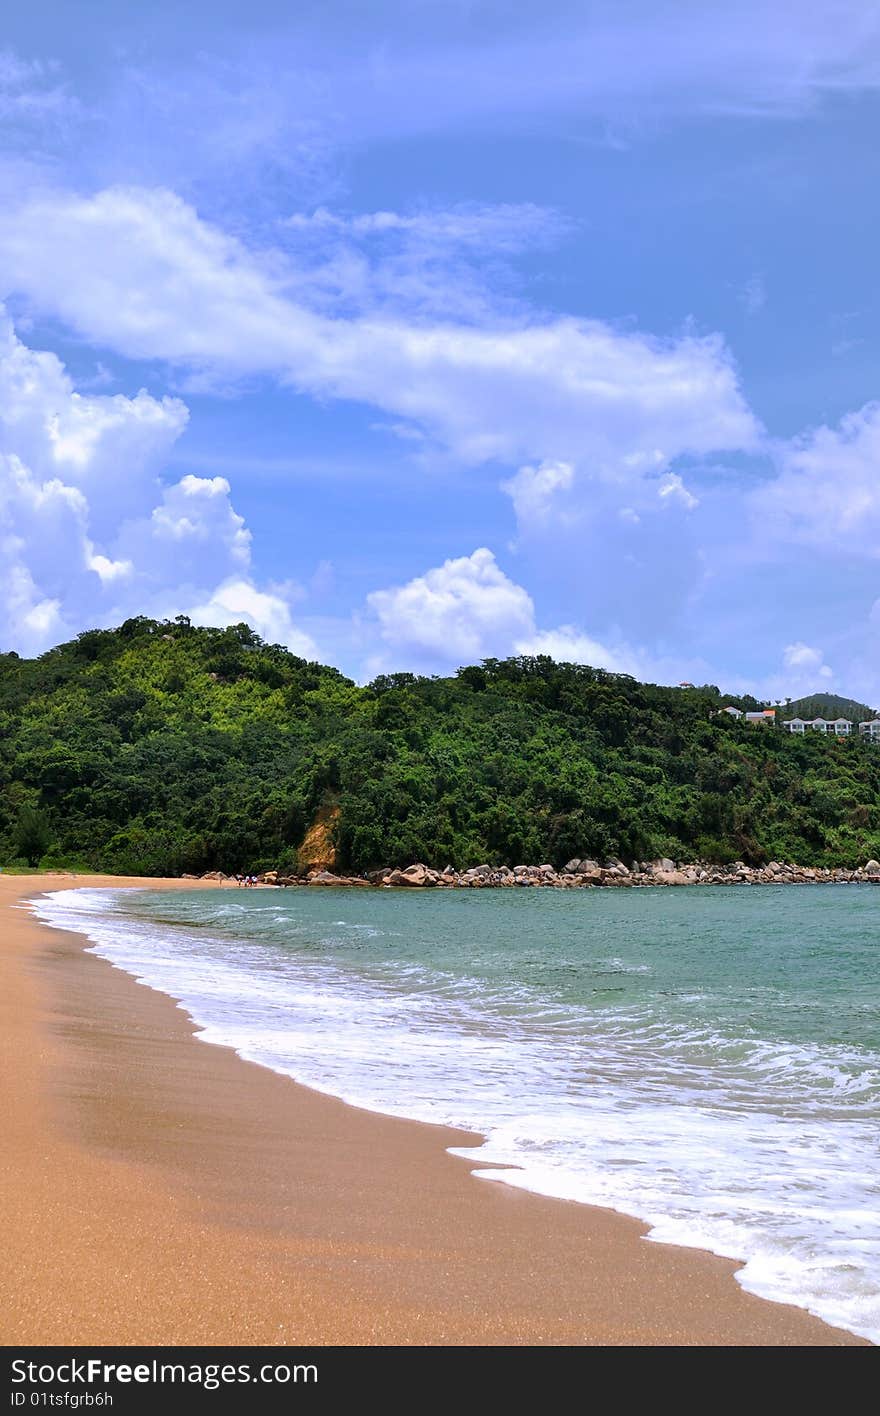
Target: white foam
(763,1152)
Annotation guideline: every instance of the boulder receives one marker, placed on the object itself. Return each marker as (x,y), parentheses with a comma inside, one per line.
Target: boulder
(419,875)
(415,876)
(326,877)
(590,873)
(671,877)
(476,877)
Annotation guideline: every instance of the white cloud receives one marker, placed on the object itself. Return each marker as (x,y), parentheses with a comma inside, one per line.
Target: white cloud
(464,610)
(238,600)
(673,489)
(109,570)
(87,533)
(569,645)
(623,63)
(804,671)
(367,73)
(154,281)
(802,656)
(197,511)
(109,445)
(594,416)
(257,109)
(434,264)
(506,227)
(827,496)
(535,490)
(468,609)
(36,619)
(31,94)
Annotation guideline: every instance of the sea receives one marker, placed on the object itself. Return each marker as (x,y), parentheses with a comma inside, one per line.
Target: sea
(705,1059)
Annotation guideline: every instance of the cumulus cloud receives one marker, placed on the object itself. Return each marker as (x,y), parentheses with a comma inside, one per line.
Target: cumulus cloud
(569,645)
(535,491)
(463,610)
(238,600)
(195,525)
(803,671)
(88,534)
(469,609)
(827,495)
(109,448)
(805,659)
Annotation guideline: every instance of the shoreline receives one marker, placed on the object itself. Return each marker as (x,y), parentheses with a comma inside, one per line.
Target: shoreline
(160,1191)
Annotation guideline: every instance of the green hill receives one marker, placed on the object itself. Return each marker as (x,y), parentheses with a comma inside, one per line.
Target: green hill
(162,748)
(827,705)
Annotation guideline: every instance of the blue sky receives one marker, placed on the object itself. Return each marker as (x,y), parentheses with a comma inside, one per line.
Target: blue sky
(418,332)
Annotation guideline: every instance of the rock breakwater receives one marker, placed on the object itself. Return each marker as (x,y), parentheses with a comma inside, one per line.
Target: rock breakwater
(577,874)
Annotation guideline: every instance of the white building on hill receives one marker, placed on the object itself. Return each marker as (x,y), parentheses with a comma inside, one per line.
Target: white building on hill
(831,727)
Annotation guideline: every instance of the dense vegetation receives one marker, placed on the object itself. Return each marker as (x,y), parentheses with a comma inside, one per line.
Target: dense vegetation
(162,748)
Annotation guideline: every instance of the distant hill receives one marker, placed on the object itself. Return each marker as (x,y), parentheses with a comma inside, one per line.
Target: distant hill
(160,748)
(827,705)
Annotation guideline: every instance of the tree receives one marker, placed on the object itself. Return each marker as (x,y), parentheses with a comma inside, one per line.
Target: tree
(33,834)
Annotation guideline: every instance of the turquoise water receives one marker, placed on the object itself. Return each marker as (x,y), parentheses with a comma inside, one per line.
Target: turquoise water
(705,1059)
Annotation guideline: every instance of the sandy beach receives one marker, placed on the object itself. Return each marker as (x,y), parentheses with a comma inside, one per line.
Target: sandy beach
(160,1190)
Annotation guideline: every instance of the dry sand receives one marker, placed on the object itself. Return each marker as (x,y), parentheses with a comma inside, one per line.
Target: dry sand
(156,1189)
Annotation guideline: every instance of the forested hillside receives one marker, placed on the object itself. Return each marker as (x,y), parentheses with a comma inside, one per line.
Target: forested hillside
(161,748)
(827,705)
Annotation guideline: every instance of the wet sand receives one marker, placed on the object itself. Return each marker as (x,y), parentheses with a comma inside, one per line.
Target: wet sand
(156,1189)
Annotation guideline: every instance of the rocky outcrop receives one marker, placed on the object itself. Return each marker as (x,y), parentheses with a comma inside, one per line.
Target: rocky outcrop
(577,874)
(318,851)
